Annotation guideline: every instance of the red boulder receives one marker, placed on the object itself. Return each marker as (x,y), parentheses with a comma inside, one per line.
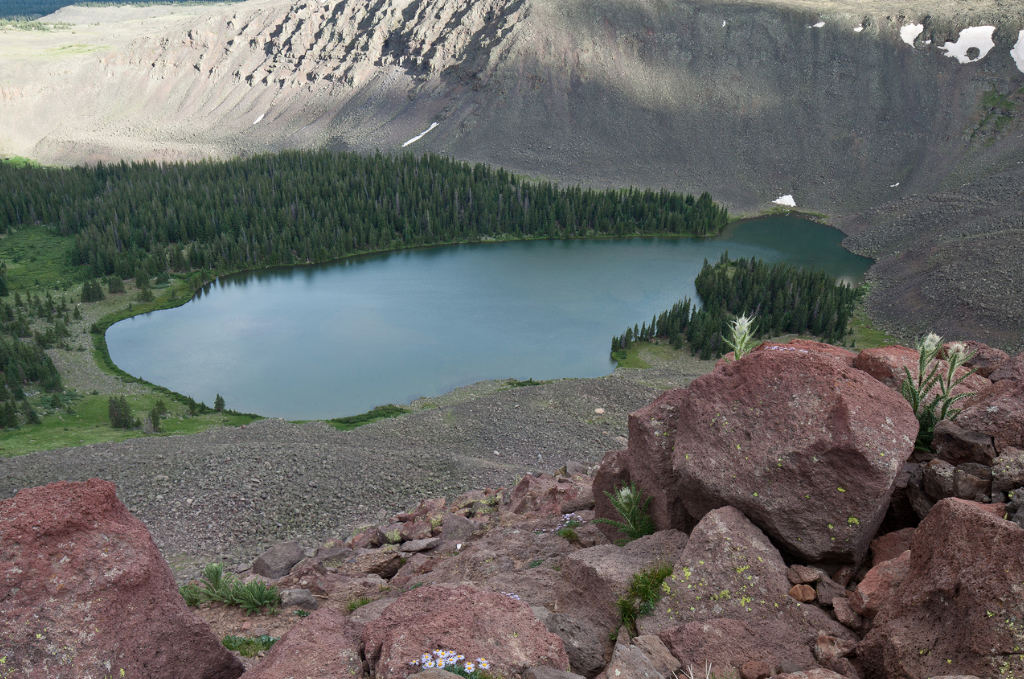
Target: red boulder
(805,446)
(85,592)
(958,610)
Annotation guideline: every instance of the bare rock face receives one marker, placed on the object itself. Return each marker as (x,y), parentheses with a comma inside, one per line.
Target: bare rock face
(958,609)
(323,646)
(955,445)
(805,446)
(85,592)
(542,494)
(728,598)
(464,620)
(879,585)
(997,411)
(891,545)
(1010,369)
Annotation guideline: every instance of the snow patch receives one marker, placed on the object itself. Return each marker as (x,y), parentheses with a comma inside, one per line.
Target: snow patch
(1018,52)
(978,37)
(786,200)
(909,33)
(420,135)
(893,186)
(858,29)
(724,23)
(259,119)
(817,25)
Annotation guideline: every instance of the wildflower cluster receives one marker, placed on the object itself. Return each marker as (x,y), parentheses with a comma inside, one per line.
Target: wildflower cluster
(453,662)
(510,595)
(931,393)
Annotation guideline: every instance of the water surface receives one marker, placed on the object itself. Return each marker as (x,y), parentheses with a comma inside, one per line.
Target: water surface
(314,342)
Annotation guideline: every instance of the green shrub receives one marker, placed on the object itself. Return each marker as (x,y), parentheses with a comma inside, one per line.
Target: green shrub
(629,502)
(254,596)
(192,594)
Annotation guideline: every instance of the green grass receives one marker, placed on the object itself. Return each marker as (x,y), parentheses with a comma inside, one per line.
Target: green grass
(358,603)
(38,259)
(90,423)
(630,358)
(248,646)
(18,161)
(864,335)
(378,413)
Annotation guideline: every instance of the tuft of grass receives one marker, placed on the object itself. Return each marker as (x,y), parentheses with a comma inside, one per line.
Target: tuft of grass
(255,596)
(191,593)
(643,595)
(301,612)
(248,646)
(359,603)
(378,413)
(535,563)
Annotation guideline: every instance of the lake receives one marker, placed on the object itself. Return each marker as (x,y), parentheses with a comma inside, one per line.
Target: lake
(331,340)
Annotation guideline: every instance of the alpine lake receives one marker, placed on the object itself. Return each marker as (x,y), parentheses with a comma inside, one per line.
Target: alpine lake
(338,339)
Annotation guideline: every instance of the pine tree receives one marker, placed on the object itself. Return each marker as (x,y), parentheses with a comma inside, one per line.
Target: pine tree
(218,403)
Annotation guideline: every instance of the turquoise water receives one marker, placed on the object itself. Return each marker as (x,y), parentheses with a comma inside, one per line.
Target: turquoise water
(315,342)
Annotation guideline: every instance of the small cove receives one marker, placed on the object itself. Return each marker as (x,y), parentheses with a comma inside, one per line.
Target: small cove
(321,341)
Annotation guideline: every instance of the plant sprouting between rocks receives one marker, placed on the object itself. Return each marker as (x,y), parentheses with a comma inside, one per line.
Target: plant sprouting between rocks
(931,379)
(216,586)
(742,330)
(629,502)
(643,594)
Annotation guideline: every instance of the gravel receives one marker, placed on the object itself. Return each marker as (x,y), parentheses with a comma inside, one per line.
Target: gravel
(229,493)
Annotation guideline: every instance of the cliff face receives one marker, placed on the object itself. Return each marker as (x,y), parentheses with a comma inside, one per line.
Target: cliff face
(747,100)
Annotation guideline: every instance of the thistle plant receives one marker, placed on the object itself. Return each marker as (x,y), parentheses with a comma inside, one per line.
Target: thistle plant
(629,502)
(931,379)
(742,331)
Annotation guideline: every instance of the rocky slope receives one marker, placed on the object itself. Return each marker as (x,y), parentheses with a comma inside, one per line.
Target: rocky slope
(760,574)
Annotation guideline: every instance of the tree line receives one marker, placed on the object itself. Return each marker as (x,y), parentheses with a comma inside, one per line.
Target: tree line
(140,219)
(783,299)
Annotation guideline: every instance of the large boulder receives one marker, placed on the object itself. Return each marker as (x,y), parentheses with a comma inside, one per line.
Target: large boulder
(85,592)
(464,620)
(728,599)
(805,446)
(960,607)
(542,494)
(984,359)
(323,646)
(277,561)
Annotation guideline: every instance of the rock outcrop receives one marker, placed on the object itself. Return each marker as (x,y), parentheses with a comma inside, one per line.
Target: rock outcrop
(805,446)
(958,610)
(85,592)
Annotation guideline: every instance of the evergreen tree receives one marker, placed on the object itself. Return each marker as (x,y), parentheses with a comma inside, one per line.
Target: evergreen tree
(218,403)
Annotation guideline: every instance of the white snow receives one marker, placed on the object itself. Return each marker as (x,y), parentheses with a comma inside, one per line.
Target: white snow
(910,32)
(893,186)
(259,119)
(724,23)
(1018,52)
(858,29)
(818,25)
(786,200)
(979,37)
(420,135)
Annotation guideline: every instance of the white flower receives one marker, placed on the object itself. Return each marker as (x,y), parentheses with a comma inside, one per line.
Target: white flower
(483,663)
(931,342)
(469,667)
